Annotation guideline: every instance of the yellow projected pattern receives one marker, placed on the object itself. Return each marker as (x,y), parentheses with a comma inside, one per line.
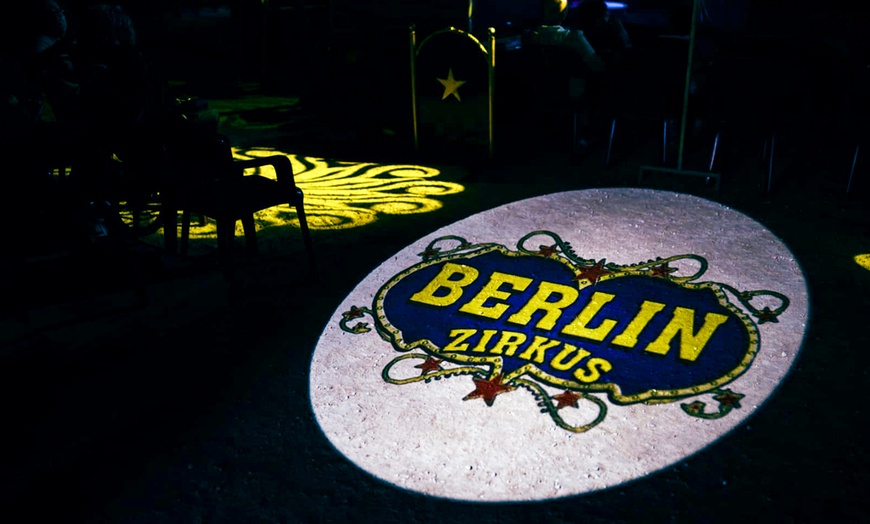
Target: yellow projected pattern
(343,195)
(863,260)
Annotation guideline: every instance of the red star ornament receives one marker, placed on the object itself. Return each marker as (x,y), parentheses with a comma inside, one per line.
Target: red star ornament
(695,407)
(592,273)
(355,312)
(488,389)
(361,327)
(567,399)
(728,398)
(662,270)
(429,365)
(766,315)
(430,252)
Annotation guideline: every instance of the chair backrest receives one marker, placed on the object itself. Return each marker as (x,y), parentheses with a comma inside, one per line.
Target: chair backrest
(196,151)
(452,78)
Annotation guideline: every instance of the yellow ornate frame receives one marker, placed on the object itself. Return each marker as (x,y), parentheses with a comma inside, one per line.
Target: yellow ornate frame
(488,52)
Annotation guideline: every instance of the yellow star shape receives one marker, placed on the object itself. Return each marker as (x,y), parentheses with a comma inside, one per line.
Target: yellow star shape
(451,85)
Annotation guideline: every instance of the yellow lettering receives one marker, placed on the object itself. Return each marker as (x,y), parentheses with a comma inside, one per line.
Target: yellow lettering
(691,343)
(460,335)
(484,340)
(510,341)
(578,325)
(594,369)
(443,281)
(559,363)
(476,306)
(539,302)
(537,349)
(628,337)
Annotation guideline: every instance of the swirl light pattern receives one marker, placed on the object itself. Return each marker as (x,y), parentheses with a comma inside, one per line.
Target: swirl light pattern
(344,195)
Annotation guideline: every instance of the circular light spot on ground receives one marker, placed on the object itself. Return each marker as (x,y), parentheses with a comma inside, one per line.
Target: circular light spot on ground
(559,345)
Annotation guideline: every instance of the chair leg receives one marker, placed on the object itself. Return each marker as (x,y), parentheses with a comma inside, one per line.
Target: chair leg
(607,160)
(136,214)
(169,217)
(185,231)
(306,234)
(852,171)
(713,154)
(665,142)
(250,230)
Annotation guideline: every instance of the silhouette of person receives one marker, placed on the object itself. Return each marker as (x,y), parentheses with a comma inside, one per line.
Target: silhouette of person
(602,30)
(551,32)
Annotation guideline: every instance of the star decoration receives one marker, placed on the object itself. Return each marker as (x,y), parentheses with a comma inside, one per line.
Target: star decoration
(430,252)
(451,85)
(662,270)
(547,250)
(766,315)
(354,312)
(695,407)
(429,365)
(488,389)
(592,273)
(361,327)
(567,399)
(728,398)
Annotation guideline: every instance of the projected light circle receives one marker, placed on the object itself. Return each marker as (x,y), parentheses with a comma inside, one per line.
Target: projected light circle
(559,345)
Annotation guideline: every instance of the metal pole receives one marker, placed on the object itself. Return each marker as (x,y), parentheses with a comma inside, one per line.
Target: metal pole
(491,89)
(688,85)
(413,42)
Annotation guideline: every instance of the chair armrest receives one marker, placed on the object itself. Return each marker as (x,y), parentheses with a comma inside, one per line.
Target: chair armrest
(281,164)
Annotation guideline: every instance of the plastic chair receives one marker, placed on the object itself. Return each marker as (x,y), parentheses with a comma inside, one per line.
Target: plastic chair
(217,186)
(757,85)
(650,89)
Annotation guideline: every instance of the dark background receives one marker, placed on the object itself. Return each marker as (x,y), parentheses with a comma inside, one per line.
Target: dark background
(199,411)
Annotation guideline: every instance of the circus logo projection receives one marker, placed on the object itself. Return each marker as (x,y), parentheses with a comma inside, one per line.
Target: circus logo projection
(488,362)
(529,318)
